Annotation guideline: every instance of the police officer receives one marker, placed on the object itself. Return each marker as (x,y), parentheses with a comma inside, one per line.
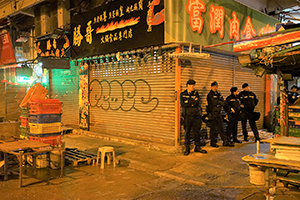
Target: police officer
(248,102)
(215,103)
(233,110)
(293,95)
(191,112)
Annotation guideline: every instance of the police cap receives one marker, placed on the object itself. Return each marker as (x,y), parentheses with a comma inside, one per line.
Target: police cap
(191,82)
(294,86)
(214,83)
(233,89)
(245,85)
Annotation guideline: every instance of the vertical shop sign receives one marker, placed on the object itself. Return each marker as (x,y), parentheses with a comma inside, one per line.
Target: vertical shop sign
(83,102)
(6,50)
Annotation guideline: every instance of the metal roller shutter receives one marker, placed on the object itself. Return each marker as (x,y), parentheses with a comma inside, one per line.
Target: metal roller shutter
(15,95)
(134,98)
(66,89)
(227,72)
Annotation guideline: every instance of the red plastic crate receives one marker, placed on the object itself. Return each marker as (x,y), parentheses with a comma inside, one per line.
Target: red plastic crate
(24,121)
(45,106)
(52,140)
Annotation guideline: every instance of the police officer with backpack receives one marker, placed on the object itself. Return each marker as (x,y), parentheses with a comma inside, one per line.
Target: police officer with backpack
(191,112)
(233,110)
(215,104)
(248,103)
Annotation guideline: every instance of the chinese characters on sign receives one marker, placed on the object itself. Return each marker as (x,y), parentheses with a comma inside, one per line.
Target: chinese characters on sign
(112,37)
(195,8)
(158,18)
(249,30)
(53,47)
(118,26)
(234,27)
(216,20)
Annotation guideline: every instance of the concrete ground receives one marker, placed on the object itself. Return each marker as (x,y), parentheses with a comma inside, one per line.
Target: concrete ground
(143,173)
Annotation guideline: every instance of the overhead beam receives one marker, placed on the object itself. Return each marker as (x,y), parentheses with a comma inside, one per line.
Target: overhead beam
(15,6)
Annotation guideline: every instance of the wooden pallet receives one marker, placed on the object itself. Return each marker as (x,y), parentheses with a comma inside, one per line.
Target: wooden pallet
(76,156)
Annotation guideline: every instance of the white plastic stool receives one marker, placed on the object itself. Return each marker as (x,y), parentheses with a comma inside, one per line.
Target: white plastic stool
(103,151)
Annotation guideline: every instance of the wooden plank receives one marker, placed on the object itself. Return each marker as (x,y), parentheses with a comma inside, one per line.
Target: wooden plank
(269,158)
(284,140)
(78,155)
(84,152)
(21,145)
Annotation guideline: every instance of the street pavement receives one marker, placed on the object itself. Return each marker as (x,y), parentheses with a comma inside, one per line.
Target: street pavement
(144,173)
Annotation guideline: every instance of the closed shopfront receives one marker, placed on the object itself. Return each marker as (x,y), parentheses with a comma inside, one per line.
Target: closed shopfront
(12,94)
(65,87)
(134,98)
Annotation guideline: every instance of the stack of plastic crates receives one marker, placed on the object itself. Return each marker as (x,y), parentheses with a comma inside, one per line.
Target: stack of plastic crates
(45,121)
(294,121)
(24,122)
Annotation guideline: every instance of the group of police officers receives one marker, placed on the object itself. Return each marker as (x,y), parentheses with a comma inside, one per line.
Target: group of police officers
(238,106)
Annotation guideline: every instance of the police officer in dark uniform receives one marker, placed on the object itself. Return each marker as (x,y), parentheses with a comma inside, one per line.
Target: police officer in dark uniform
(191,112)
(248,102)
(233,110)
(215,103)
(293,95)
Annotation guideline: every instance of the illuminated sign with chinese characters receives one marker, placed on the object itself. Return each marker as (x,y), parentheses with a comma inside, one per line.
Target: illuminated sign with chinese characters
(53,47)
(210,22)
(118,26)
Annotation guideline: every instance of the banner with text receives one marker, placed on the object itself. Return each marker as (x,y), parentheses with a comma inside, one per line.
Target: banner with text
(118,26)
(210,22)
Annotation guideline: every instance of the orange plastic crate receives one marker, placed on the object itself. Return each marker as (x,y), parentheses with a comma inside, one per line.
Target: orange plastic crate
(45,106)
(52,140)
(24,121)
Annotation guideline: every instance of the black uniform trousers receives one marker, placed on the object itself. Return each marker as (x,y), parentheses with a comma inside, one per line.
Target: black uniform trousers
(195,123)
(216,126)
(232,126)
(248,116)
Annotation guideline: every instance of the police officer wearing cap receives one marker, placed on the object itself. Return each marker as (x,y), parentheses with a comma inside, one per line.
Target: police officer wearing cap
(248,102)
(233,110)
(215,103)
(191,112)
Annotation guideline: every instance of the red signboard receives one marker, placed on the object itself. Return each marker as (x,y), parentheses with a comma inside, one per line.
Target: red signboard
(6,50)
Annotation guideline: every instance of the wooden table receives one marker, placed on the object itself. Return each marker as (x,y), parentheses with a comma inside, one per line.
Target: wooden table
(272,164)
(19,148)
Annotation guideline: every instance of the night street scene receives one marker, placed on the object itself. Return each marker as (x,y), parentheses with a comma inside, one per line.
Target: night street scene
(150,99)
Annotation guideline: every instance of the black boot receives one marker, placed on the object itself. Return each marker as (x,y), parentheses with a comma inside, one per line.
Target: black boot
(258,139)
(187,150)
(198,149)
(227,144)
(235,140)
(214,145)
(246,138)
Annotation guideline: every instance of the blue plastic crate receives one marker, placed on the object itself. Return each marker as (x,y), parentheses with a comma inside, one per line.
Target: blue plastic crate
(45,118)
